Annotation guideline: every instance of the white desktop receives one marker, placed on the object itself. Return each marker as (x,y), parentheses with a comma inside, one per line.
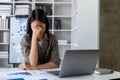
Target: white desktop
(43,75)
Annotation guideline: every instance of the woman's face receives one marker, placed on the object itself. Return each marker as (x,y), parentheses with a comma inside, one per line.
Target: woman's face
(38,28)
(37,24)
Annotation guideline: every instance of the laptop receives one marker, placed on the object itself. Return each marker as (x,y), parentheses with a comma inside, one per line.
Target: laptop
(77,63)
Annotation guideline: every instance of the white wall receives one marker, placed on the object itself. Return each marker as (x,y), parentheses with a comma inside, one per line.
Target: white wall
(88,23)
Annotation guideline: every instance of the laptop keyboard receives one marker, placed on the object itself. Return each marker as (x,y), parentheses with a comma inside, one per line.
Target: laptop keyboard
(54,72)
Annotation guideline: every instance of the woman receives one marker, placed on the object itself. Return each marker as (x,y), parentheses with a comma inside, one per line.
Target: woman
(39,47)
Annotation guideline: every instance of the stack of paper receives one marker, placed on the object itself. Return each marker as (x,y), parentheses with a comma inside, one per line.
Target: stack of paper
(5,0)
(22,0)
(63,42)
(25,75)
(5,10)
(22,9)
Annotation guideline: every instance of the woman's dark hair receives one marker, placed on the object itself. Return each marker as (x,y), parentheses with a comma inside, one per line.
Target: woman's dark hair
(40,15)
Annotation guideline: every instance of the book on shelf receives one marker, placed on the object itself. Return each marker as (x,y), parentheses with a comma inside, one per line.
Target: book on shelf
(0,23)
(46,8)
(6,37)
(57,24)
(4,23)
(1,37)
(50,23)
(4,26)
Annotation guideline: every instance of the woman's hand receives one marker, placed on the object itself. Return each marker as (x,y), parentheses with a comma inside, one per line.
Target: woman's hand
(25,66)
(38,33)
(38,29)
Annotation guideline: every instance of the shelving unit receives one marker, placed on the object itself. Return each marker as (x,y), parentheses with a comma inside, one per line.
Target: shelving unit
(4,35)
(75,26)
(85,24)
(59,11)
(78,21)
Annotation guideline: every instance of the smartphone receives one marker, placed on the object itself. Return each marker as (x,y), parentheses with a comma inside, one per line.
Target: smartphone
(101,71)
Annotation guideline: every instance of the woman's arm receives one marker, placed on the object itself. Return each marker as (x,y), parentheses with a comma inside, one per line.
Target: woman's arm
(40,66)
(30,54)
(33,57)
(36,35)
(47,65)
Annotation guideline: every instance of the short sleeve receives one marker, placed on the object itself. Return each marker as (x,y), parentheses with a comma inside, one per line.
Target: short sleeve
(25,47)
(55,52)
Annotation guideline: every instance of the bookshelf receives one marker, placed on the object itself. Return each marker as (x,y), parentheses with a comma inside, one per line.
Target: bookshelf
(58,12)
(74,22)
(60,16)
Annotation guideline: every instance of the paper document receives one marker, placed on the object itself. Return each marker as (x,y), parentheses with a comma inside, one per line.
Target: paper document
(25,75)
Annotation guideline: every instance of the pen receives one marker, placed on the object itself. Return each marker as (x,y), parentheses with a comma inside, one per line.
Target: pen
(31,71)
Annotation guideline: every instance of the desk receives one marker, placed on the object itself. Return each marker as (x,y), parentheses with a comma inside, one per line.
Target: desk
(52,77)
